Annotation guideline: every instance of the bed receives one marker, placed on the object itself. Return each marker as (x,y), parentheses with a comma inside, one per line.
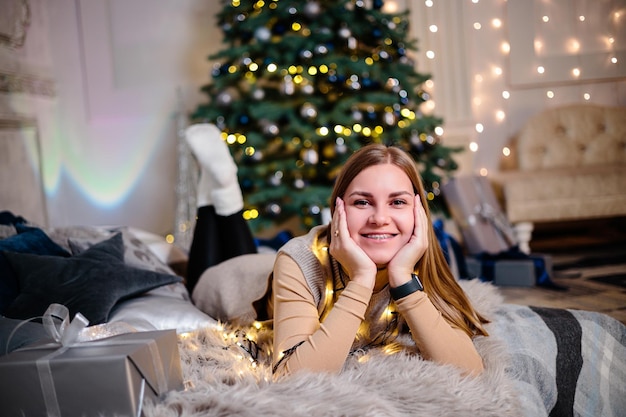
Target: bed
(538,361)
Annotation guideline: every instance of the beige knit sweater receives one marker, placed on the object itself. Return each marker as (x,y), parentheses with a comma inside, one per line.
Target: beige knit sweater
(320,316)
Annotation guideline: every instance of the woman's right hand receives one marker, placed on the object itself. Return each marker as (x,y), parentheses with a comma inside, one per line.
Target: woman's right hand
(359,267)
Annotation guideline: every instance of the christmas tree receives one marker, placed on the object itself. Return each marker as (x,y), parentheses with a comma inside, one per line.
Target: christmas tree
(301,85)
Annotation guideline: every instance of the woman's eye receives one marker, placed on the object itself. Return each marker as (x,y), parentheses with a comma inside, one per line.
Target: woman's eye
(398,202)
(361,202)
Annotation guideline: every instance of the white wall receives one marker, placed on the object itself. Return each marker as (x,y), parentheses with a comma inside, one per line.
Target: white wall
(123,68)
(125,71)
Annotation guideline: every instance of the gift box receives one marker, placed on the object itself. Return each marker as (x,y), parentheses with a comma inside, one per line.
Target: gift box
(525,271)
(476,211)
(514,273)
(106,377)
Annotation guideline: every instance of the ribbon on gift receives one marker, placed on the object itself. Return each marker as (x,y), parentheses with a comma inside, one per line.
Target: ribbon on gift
(75,334)
(66,332)
(493,215)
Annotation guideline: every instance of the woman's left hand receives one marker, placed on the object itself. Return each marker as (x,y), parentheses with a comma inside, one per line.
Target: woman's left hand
(403,263)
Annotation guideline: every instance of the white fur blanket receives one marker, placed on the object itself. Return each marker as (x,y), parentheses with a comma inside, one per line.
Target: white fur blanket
(223,380)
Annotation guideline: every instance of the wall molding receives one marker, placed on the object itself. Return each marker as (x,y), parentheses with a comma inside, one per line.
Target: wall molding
(14,83)
(15,23)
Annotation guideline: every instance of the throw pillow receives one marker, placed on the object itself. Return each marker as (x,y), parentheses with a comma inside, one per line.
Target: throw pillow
(136,253)
(31,240)
(158,312)
(227,291)
(90,283)
(27,333)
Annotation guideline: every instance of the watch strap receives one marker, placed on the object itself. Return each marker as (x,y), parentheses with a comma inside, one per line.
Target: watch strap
(410,287)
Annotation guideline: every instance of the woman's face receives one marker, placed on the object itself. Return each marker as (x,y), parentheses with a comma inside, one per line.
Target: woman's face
(379,206)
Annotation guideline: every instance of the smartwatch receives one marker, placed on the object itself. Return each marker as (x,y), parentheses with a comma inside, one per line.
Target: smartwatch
(410,287)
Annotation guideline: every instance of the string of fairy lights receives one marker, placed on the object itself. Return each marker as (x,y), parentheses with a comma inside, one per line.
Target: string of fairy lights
(563,34)
(579,26)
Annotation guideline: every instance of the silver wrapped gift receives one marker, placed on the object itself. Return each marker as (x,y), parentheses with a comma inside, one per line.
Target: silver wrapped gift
(475,209)
(110,376)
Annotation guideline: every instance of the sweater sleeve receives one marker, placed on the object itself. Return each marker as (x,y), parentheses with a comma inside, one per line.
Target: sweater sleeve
(436,339)
(318,346)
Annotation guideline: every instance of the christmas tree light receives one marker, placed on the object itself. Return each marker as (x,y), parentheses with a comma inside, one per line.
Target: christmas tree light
(301,85)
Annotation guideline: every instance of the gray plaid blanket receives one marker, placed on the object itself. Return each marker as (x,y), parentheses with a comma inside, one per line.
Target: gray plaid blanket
(565,362)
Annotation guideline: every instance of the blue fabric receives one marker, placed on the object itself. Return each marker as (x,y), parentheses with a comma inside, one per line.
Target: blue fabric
(276,242)
(28,240)
(8,218)
(446,242)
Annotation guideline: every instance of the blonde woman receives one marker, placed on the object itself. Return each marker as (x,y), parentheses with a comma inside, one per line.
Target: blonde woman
(375,271)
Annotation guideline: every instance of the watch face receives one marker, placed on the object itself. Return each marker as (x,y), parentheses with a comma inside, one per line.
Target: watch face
(416,278)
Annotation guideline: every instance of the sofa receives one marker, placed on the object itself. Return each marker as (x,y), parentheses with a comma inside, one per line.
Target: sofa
(567,163)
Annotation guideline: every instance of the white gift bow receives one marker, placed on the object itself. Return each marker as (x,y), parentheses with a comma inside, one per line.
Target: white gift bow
(66,333)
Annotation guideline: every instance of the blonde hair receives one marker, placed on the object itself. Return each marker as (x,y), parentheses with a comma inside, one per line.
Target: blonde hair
(439,282)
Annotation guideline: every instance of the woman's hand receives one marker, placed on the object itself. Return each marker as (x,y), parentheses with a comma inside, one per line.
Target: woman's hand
(343,248)
(403,263)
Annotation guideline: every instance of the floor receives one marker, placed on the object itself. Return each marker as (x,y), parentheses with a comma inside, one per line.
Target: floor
(603,246)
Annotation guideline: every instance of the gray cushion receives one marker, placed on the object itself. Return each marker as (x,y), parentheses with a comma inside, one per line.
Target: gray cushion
(91,282)
(228,290)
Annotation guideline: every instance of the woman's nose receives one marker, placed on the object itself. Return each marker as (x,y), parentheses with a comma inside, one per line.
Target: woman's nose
(379,216)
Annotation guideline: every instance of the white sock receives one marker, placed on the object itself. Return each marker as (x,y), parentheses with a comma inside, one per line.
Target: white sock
(227,200)
(218,184)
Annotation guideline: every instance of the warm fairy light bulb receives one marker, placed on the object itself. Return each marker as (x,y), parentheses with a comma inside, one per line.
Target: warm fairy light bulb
(505,47)
(497,71)
(477,26)
(428,3)
(439,131)
(496,23)
(581,18)
(587,96)
(479,127)
(550,94)
(483,172)
(429,83)
(541,69)
(500,115)
(430,54)
(433,28)
(506,95)
(545,19)
(390,7)
(473,146)
(573,46)
(576,72)
(387,313)
(614,60)
(506,151)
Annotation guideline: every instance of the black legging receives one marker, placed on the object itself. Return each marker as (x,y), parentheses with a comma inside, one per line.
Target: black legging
(216,238)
